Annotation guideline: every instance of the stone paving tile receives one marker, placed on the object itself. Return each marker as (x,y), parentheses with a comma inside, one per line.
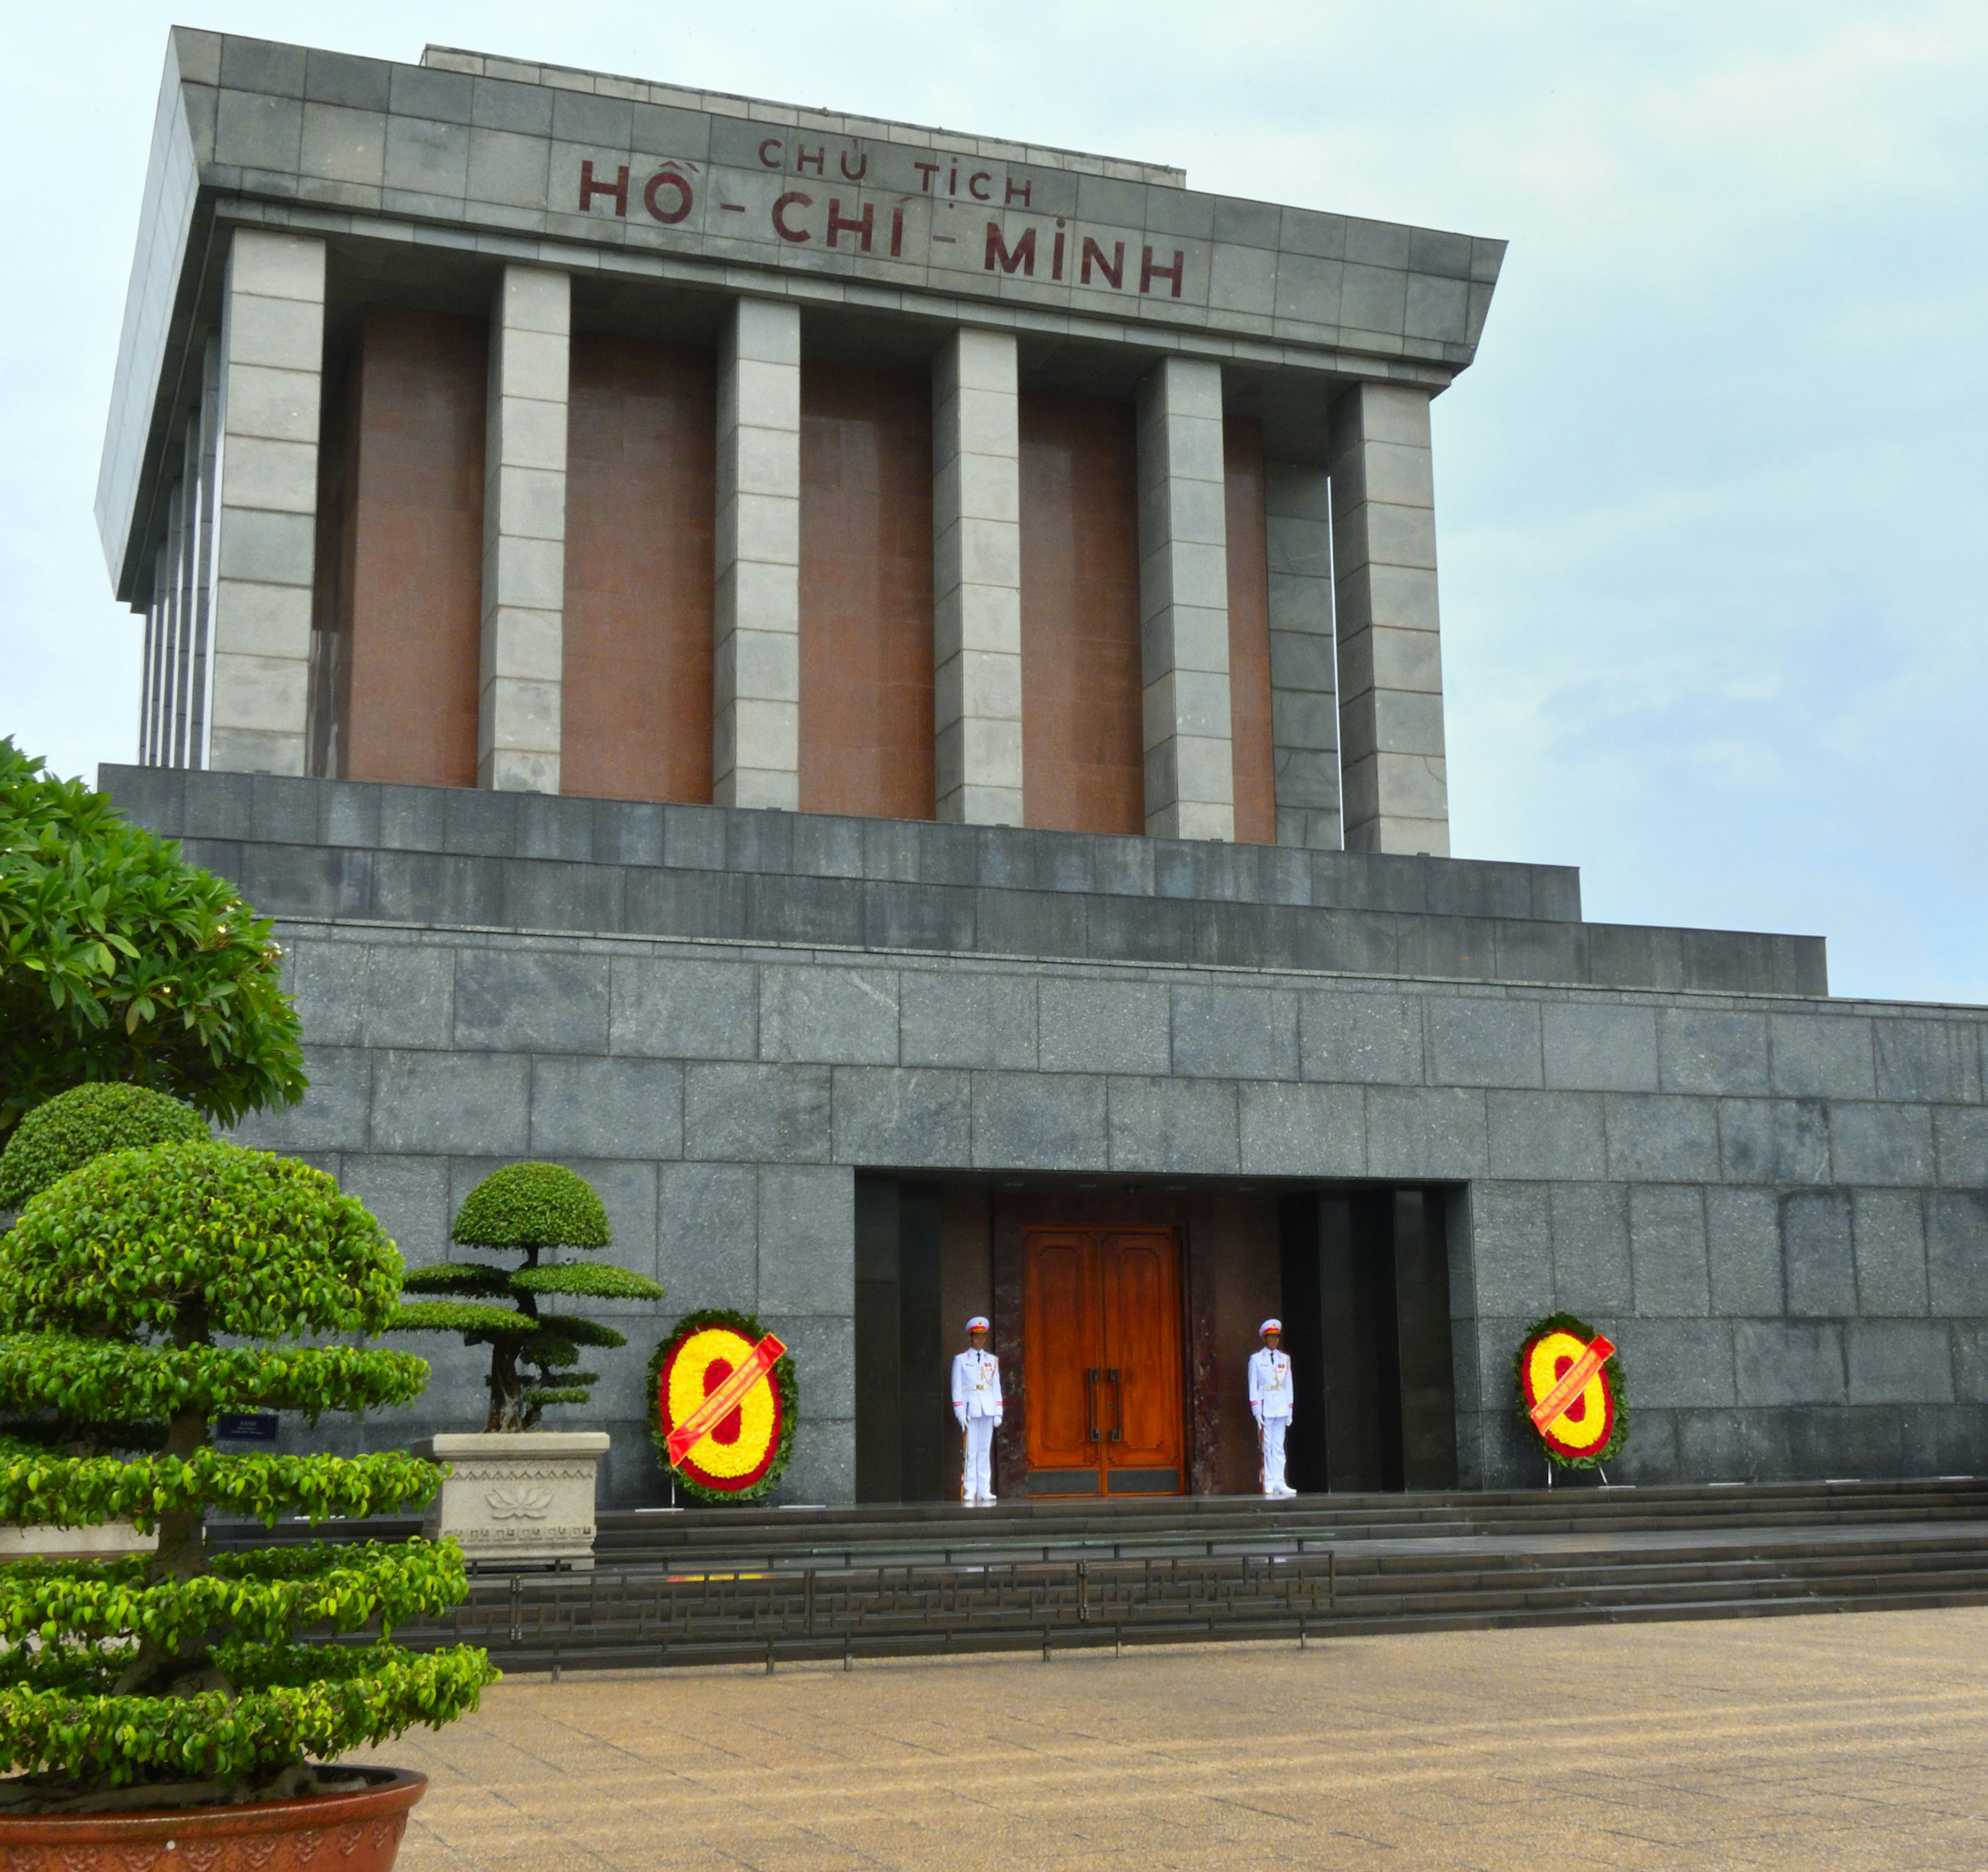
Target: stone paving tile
(1854,1742)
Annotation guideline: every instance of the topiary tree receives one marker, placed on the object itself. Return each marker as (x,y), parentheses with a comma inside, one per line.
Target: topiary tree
(66,1132)
(57,1137)
(181,1669)
(120,960)
(527,1209)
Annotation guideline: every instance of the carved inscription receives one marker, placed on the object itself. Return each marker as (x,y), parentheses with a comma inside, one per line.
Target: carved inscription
(960,215)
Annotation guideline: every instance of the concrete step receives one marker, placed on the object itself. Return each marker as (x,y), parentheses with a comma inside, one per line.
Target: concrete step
(939,1529)
(669,1615)
(1212,1524)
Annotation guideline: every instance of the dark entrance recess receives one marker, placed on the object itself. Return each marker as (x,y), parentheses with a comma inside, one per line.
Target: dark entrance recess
(901,1361)
(1366,1313)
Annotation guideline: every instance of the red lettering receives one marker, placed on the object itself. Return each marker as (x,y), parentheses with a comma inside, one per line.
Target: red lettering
(926,172)
(780,216)
(661,180)
(862,165)
(1023,256)
(897,232)
(769,152)
(973,186)
(1113,269)
(838,221)
(589,188)
(1056,255)
(952,180)
(802,158)
(1022,188)
(1148,272)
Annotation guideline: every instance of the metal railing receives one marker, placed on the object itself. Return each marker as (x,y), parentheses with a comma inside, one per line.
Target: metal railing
(609,1619)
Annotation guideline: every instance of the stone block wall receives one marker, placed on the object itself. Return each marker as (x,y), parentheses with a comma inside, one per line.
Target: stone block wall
(1776,1203)
(1784,1226)
(1776,1208)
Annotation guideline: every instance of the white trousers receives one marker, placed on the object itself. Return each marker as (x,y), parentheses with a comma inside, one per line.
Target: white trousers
(977,1477)
(1274,1453)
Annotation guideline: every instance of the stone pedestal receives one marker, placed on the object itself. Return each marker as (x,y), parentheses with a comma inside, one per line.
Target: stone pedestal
(110,1540)
(523,1498)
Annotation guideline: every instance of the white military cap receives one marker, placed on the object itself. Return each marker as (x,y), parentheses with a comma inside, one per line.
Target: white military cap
(1269,1325)
(978,1324)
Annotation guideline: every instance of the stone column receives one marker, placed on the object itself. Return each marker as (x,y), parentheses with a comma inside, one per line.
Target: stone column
(175,619)
(1184,603)
(186,505)
(155,659)
(524,533)
(1397,798)
(201,537)
(1304,710)
(272,368)
(179,510)
(977,580)
(757,665)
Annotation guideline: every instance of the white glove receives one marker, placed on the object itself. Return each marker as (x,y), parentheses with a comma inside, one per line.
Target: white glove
(1258,1415)
(959,1411)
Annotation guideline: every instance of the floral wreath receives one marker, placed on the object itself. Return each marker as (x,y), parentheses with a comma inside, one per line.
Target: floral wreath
(1592,1429)
(749,1452)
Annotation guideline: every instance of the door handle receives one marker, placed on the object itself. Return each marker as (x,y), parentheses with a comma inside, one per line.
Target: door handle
(1117,1405)
(1090,1401)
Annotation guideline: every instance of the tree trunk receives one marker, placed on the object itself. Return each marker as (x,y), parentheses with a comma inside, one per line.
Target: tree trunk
(507,1390)
(186,1669)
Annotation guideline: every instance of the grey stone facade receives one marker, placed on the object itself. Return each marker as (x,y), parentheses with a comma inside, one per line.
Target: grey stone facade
(733,1018)
(1776,1203)
(289,186)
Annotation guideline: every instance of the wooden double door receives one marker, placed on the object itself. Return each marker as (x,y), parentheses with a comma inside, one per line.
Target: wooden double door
(1102,1361)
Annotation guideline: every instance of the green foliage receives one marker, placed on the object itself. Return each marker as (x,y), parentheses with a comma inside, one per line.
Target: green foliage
(83,1122)
(263,1596)
(1612,1365)
(479,1325)
(118,960)
(158,1381)
(599,1283)
(527,1208)
(248,1245)
(531,1206)
(287,1703)
(37,1486)
(180,1666)
(748,1327)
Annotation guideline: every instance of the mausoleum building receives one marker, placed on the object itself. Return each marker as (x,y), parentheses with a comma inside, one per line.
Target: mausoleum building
(878,692)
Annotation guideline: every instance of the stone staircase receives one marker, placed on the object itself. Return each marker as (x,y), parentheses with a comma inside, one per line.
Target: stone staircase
(714,1586)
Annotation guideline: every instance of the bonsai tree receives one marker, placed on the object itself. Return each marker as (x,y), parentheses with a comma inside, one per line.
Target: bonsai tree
(525,1209)
(64,1133)
(176,1677)
(120,960)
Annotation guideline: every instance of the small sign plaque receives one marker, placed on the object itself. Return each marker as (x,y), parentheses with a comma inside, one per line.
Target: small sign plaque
(246,1426)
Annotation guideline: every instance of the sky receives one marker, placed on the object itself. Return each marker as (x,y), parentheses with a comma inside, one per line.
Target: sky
(1711,505)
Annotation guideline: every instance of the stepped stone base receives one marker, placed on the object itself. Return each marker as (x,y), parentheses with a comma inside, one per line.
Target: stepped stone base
(517,1499)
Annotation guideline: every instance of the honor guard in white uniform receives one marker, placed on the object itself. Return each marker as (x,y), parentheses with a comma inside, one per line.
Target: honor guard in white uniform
(976,1402)
(1270,1404)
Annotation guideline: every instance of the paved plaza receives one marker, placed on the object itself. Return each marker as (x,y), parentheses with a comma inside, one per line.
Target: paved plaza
(1855,1742)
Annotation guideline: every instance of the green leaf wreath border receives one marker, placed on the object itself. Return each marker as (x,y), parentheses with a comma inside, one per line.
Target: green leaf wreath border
(1619,1385)
(748,1327)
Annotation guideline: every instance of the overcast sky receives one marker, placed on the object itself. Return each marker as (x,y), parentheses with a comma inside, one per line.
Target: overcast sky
(1710,505)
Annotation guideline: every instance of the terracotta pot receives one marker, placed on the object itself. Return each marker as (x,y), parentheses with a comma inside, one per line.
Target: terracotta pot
(359,1832)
